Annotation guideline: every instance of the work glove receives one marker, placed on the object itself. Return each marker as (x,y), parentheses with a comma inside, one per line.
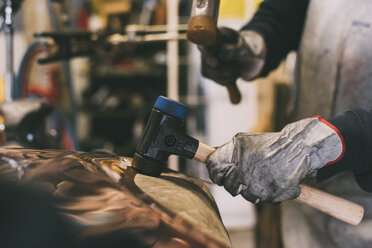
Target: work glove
(268,167)
(235,54)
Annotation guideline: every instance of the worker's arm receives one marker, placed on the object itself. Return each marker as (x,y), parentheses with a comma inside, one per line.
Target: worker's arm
(280,22)
(356,129)
(258,48)
(270,166)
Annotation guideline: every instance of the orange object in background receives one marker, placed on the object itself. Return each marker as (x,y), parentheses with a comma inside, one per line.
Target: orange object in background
(257,4)
(2,129)
(232,9)
(2,89)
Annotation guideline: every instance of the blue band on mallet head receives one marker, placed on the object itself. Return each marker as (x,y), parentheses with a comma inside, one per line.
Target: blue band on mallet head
(171,107)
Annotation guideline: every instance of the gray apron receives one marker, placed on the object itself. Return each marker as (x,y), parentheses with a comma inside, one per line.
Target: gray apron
(333,75)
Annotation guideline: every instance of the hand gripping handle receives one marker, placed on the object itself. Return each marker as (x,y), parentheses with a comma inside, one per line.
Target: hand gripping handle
(203,31)
(332,205)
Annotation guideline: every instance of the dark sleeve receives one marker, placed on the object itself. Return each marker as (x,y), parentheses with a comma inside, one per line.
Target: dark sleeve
(356,128)
(280,22)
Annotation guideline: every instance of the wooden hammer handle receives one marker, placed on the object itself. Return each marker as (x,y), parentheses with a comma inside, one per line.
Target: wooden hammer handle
(203,152)
(234,93)
(335,206)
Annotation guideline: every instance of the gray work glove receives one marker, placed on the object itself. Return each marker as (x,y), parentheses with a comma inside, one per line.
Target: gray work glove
(236,54)
(268,167)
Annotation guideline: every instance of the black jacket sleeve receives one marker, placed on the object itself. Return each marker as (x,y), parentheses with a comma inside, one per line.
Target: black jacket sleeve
(356,128)
(280,22)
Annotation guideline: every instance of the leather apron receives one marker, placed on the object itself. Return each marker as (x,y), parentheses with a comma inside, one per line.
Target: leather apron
(333,75)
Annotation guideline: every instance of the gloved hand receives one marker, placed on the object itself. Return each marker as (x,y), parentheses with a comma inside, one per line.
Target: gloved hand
(236,54)
(269,166)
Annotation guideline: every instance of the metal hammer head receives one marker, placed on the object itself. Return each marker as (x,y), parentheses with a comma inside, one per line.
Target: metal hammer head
(162,137)
(202,27)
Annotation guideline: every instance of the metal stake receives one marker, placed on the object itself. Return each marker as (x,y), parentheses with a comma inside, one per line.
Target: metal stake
(8,29)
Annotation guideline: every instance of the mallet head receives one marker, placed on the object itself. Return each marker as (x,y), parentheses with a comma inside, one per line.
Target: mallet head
(162,137)
(202,27)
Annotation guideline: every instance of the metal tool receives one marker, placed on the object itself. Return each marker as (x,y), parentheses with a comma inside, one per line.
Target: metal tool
(8,29)
(67,45)
(164,136)
(7,11)
(34,123)
(202,30)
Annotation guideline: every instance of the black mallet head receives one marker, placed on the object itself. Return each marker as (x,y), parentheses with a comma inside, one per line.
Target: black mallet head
(162,137)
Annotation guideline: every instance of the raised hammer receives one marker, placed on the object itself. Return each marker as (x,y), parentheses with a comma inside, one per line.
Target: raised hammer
(164,136)
(202,30)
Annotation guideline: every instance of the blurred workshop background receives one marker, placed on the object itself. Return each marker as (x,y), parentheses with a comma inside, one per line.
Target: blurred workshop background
(105,62)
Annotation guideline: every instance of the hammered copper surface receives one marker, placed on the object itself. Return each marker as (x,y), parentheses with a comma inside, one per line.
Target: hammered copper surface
(101,194)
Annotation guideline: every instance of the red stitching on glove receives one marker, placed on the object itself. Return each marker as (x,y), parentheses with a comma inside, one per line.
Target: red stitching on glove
(339,135)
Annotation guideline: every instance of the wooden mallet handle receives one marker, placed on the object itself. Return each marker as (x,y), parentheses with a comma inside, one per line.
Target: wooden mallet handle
(335,206)
(234,93)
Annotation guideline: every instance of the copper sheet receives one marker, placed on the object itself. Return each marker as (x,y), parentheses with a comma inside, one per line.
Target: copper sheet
(102,194)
